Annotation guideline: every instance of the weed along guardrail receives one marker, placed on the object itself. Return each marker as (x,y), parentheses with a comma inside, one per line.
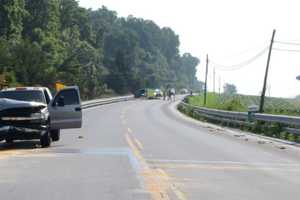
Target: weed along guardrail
(278,126)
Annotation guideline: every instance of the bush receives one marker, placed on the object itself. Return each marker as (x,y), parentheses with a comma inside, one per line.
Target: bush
(233,105)
(268,129)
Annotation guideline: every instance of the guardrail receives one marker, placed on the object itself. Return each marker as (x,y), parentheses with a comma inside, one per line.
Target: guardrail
(98,102)
(290,124)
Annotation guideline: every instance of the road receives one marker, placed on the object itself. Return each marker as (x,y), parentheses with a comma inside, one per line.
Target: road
(140,150)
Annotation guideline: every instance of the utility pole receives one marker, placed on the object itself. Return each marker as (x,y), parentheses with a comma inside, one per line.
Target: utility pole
(262,98)
(205,85)
(219,85)
(214,81)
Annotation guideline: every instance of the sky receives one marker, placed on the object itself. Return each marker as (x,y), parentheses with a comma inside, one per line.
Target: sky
(230,32)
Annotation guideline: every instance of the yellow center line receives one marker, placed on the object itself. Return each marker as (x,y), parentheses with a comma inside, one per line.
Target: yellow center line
(139,144)
(129,130)
(157,181)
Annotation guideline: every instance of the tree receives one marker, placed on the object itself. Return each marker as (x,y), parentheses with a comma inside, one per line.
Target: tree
(188,69)
(230,89)
(12,13)
(44,41)
(103,21)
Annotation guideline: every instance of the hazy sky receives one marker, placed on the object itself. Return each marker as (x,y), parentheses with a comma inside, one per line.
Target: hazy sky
(231,32)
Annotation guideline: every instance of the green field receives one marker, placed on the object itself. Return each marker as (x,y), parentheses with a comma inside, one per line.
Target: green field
(283,106)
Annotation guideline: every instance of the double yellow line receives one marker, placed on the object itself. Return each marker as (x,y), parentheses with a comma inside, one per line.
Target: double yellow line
(157,181)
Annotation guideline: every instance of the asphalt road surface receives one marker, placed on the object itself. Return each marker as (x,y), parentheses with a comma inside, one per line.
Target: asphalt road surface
(140,150)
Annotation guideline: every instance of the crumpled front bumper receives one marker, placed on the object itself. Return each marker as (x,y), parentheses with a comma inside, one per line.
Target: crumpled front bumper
(21,133)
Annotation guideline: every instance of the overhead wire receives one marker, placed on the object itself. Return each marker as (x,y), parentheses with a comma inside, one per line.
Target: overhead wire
(285,46)
(240,65)
(287,43)
(287,50)
(255,57)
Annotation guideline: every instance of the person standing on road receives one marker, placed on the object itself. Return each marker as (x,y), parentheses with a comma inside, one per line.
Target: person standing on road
(172,91)
(164,95)
(169,95)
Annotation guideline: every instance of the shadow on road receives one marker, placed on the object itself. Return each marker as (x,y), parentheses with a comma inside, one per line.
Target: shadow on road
(19,145)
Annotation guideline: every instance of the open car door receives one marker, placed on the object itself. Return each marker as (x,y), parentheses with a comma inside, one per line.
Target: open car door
(65,109)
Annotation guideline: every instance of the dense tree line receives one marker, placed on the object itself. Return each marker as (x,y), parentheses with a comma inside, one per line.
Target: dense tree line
(45,41)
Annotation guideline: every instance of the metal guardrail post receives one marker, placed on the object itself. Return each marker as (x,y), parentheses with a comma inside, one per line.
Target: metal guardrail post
(251,112)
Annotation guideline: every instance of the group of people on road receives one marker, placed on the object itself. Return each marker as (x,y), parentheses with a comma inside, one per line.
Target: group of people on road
(169,94)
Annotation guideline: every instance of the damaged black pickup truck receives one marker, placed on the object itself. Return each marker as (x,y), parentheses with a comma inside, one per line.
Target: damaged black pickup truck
(28,113)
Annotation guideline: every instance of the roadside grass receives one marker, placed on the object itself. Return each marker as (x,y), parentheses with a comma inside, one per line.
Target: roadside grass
(268,129)
(282,106)
(273,105)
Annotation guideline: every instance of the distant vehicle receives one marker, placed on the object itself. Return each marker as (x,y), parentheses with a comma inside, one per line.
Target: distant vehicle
(28,113)
(158,93)
(148,93)
(184,91)
(140,93)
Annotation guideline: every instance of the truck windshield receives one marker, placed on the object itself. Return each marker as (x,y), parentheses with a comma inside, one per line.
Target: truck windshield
(36,96)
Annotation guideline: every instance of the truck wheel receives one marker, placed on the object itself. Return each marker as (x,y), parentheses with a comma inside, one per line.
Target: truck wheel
(55,135)
(45,139)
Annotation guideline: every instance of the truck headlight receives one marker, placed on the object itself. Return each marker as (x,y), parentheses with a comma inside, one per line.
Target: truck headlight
(37,116)
(33,116)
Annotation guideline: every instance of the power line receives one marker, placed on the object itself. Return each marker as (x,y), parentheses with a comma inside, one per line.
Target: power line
(246,51)
(287,43)
(240,65)
(287,50)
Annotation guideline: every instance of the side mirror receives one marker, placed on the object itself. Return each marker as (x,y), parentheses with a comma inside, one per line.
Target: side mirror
(60,101)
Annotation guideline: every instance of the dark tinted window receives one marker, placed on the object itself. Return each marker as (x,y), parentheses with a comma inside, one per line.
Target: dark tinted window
(29,95)
(70,97)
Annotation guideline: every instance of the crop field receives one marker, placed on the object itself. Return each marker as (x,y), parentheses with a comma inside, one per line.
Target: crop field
(237,102)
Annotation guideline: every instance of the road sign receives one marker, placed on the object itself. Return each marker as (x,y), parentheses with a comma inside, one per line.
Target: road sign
(59,86)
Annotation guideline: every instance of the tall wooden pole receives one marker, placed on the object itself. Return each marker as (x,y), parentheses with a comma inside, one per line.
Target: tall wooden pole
(205,85)
(214,81)
(263,93)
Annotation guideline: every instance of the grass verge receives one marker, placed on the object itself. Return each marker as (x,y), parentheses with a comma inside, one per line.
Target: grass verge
(275,130)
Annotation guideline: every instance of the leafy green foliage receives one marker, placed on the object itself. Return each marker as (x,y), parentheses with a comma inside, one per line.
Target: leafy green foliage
(45,41)
(12,13)
(270,129)
(239,102)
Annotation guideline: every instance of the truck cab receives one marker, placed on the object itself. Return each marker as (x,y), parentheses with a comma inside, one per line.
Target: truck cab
(32,113)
